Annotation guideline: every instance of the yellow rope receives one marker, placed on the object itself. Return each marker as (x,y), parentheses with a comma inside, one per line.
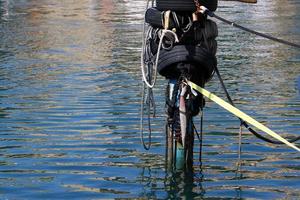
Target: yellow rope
(240,114)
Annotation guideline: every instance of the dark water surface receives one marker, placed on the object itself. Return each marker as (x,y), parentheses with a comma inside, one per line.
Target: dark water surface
(69,105)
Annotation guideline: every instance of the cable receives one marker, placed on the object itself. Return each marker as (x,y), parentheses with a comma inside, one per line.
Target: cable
(149,102)
(143,51)
(212,14)
(244,123)
(164,33)
(146,147)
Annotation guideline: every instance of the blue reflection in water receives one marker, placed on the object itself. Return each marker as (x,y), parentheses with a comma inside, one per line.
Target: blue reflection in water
(69,105)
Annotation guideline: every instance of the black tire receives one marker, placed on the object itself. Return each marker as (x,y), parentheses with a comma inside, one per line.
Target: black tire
(154,17)
(185,5)
(203,59)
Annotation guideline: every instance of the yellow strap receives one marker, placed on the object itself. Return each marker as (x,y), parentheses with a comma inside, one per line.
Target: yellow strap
(167,19)
(240,114)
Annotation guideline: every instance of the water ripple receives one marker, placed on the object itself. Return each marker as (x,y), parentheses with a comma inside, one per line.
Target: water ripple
(70,94)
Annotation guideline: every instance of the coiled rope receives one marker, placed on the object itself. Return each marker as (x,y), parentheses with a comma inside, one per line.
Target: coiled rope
(148,80)
(163,35)
(145,81)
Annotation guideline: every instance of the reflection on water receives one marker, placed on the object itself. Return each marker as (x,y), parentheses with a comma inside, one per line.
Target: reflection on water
(69,101)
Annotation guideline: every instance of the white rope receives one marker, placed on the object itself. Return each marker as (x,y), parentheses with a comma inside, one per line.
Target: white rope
(164,32)
(151,83)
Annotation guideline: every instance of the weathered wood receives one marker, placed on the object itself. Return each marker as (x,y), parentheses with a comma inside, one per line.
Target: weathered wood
(169,148)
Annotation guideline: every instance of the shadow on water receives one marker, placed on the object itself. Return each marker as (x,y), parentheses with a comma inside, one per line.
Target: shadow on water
(177,184)
(187,184)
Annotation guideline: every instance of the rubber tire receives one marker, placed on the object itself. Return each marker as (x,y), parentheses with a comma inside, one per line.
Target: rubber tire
(186,53)
(154,17)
